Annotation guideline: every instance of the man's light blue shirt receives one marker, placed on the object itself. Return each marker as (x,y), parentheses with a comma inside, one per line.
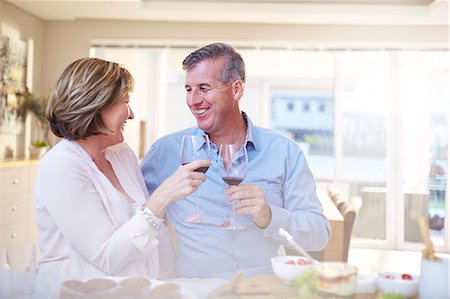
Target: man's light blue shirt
(278,166)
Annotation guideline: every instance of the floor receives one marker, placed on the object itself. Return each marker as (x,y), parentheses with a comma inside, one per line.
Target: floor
(370,261)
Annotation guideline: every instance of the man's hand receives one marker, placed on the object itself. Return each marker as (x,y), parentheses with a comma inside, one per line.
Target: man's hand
(251,201)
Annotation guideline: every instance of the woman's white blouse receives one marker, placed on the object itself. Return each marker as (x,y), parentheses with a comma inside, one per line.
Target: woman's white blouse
(87,228)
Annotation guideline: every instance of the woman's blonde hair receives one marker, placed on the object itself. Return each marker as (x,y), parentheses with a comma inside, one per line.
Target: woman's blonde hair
(86,88)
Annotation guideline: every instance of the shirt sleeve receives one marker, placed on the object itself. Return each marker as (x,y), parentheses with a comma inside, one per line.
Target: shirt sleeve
(159,162)
(302,214)
(67,191)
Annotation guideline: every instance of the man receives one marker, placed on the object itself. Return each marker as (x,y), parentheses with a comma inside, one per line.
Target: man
(279,190)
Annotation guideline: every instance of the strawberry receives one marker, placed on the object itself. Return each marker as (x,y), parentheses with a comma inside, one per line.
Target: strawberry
(406,277)
(290,262)
(303,262)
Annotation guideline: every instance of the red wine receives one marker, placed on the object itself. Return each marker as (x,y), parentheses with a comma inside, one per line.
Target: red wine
(232,180)
(200,169)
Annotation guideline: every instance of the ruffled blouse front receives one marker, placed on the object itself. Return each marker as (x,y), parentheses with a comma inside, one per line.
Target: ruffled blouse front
(87,228)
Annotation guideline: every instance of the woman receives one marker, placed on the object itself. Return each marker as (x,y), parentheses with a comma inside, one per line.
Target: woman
(91,205)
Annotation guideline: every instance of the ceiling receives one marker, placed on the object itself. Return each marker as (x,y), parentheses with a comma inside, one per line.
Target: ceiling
(323,12)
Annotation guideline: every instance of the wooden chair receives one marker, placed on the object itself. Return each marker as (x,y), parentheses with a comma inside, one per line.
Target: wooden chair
(18,256)
(318,255)
(349,214)
(336,197)
(330,253)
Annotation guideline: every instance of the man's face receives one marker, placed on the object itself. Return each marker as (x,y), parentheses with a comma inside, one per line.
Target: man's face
(210,101)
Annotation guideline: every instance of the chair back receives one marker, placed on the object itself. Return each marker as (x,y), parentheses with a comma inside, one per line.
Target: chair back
(18,256)
(349,214)
(336,197)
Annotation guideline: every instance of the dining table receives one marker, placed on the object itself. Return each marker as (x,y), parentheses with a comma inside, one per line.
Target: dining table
(26,285)
(31,285)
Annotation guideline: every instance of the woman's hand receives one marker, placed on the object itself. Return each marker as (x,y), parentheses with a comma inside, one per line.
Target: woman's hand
(183,182)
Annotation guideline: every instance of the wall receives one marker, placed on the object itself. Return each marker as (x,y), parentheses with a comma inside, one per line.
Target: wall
(18,24)
(66,41)
(57,43)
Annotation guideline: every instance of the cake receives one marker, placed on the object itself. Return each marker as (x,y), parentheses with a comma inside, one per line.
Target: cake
(336,279)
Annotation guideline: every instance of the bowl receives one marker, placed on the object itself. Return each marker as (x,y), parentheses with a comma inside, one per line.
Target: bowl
(289,267)
(365,283)
(394,282)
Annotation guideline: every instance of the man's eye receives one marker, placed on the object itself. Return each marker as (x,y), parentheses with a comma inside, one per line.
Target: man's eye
(204,89)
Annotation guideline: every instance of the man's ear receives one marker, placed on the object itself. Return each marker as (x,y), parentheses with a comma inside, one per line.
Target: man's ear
(238,89)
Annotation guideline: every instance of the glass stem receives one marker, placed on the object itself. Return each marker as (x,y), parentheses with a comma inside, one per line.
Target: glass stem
(233,212)
(197,203)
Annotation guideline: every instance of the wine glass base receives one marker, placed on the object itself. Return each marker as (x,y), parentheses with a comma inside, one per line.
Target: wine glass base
(196,218)
(232,226)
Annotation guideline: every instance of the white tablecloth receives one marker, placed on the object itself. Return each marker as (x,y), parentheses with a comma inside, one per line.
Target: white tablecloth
(29,285)
(200,287)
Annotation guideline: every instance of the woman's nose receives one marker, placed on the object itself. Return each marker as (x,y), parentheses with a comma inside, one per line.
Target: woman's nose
(130,113)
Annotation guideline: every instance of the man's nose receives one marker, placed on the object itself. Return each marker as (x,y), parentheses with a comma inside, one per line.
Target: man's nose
(193,98)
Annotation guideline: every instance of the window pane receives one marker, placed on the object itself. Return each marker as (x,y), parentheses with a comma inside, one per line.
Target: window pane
(424,94)
(301,103)
(363,93)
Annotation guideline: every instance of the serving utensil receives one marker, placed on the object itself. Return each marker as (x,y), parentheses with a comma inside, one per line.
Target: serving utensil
(297,247)
(235,282)
(428,252)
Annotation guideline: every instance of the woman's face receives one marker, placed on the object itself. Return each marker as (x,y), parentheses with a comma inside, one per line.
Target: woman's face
(115,118)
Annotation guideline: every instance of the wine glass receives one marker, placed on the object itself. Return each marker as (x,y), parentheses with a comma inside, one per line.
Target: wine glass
(233,164)
(195,147)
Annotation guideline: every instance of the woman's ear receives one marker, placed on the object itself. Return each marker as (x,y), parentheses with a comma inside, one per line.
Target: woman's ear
(238,89)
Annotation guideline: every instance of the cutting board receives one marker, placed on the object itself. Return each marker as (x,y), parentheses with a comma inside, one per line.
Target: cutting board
(262,286)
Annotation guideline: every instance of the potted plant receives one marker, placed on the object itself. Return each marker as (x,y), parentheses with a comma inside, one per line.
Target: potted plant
(37,106)
(38,149)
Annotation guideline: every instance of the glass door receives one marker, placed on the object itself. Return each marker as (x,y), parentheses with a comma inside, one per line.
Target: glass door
(362,101)
(424,100)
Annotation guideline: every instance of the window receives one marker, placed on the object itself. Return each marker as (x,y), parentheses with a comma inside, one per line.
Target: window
(313,131)
(321,107)
(306,107)
(363,85)
(290,107)
(374,123)
(424,137)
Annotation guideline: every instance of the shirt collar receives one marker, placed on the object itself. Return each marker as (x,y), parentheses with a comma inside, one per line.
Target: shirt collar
(250,138)
(200,133)
(251,131)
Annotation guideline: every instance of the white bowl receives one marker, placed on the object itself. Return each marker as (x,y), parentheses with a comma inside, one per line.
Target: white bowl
(392,282)
(365,283)
(289,267)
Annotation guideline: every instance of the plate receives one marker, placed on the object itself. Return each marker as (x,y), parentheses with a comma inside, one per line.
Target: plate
(128,287)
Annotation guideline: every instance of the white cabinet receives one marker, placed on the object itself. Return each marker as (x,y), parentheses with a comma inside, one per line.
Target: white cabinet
(17,223)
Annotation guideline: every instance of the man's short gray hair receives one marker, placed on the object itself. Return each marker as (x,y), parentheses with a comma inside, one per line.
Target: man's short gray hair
(234,68)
